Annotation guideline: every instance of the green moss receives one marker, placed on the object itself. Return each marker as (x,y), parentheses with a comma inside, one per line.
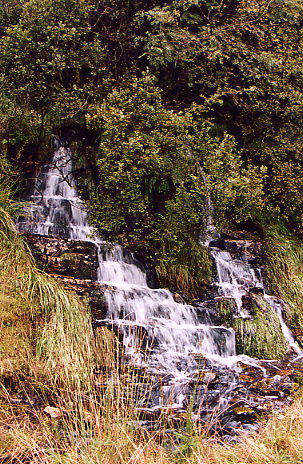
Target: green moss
(284,271)
(261,337)
(225,312)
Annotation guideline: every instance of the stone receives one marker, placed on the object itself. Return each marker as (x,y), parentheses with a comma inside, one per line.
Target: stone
(246,378)
(178,298)
(73,258)
(75,264)
(243,411)
(54,413)
(249,251)
(207,377)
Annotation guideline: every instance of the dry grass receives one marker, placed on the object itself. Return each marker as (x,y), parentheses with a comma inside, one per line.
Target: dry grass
(279,441)
(93,435)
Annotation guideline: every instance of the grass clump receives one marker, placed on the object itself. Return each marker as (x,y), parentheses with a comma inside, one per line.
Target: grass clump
(261,337)
(284,271)
(190,270)
(38,316)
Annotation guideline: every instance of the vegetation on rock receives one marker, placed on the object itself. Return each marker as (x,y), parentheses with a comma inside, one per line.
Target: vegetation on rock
(261,337)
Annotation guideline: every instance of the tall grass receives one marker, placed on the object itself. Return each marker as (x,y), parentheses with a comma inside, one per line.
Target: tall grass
(284,271)
(92,436)
(64,341)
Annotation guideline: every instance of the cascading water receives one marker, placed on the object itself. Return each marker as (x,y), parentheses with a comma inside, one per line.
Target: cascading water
(54,208)
(166,337)
(236,278)
(170,329)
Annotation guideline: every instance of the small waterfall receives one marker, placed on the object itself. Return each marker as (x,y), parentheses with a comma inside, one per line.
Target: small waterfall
(167,337)
(236,278)
(278,306)
(54,208)
(150,320)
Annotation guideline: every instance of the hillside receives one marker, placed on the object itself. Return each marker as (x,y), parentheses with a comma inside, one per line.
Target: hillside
(184,120)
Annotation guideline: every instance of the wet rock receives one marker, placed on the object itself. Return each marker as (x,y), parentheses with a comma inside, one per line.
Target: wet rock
(78,259)
(224,398)
(206,377)
(246,378)
(75,264)
(249,251)
(240,247)
(298,334)
(178,298)
(243,412)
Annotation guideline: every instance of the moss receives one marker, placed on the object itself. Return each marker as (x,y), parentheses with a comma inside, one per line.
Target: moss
(284,271)
(225,312)
(261,337)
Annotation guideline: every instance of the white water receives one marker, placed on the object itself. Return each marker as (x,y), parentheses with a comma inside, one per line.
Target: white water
(236,278)
(151,317)
(278,307)
(55,208)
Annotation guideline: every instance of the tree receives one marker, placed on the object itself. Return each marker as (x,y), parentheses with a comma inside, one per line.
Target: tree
(156,168)
(51,67)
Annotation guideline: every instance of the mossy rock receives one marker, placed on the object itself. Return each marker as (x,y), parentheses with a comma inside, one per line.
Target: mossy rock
(261,337)
(225,312)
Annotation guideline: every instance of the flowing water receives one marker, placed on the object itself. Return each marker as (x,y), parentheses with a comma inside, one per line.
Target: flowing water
(54,208)
(159,333)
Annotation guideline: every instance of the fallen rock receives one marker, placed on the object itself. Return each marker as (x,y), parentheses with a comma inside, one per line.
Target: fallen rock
(52,412)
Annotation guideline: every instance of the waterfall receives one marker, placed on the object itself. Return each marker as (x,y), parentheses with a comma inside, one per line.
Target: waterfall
(150,320)
(166,337)
(54,207)
(236,278)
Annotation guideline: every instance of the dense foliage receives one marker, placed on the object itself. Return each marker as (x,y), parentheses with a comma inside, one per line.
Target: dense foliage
(179,102)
